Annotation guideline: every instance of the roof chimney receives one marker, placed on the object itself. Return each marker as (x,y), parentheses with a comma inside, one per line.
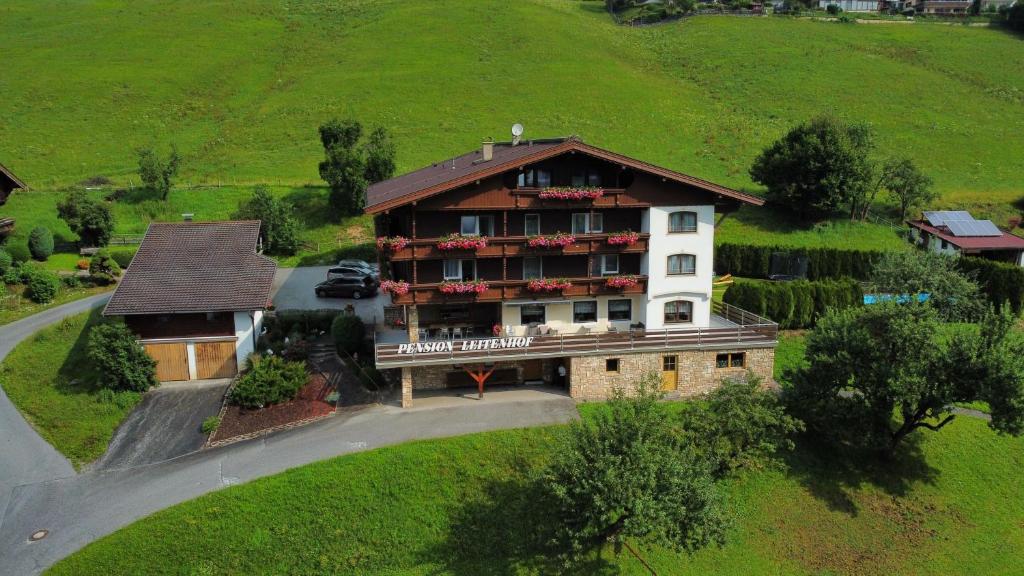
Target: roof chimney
(488,150)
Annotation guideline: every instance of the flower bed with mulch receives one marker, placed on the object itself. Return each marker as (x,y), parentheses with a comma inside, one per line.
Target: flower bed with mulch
(238,423)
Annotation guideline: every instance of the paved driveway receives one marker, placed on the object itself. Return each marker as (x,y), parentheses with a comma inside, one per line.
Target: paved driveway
(166,424)
(293,290)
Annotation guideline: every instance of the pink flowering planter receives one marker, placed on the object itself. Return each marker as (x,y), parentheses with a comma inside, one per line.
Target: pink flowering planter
(392,243)
(460,242)
(396,287)
(620,282)
(548,285)
(624,238)
(471,287)
(559,240)
(570,193)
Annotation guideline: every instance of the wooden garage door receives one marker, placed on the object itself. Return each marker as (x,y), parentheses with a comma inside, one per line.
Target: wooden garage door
(171,360)
(215,359)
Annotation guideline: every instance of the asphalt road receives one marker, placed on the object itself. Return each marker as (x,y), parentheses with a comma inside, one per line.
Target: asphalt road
(166,424)
(79,509)
(293,290)
(25,457)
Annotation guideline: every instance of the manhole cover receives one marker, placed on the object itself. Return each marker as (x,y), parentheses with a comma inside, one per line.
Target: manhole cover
(38,535)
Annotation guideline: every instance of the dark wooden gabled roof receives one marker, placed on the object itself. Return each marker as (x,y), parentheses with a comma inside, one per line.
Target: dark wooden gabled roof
(195,267)
(12,181)
(467,168)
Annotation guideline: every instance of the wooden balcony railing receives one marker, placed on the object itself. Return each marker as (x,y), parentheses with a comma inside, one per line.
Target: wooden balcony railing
(498,246)
(501,290)
(748,330)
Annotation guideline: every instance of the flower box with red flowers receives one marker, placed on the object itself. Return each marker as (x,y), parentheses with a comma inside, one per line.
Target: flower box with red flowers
(464,287)
(460,242)
(627,238)
(571,193)
(621,282)
(559,240)
(548,285)
(396,287)
(392,243)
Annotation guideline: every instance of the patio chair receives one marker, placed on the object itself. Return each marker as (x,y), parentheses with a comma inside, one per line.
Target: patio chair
(457,332)
(424,334)
(444,334)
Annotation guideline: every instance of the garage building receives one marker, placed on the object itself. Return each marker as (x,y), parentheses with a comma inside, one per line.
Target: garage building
(195,294)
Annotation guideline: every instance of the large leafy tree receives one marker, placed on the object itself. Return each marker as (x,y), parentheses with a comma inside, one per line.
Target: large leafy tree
(158,173)
(349,167)
(627,475)
(874,375)
(119,360)
(910,187)
(955,295)
(279,228)
(818,167)
(91,220)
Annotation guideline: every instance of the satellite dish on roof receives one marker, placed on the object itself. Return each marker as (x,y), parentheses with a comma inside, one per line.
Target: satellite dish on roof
(517,131)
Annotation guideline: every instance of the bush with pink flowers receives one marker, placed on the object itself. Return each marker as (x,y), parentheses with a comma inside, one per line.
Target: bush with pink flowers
(460,242)
(548,285)
(464,287)
(392,243)
(626,238)
(571,193)
(396,287)
(621,281)
(559,240)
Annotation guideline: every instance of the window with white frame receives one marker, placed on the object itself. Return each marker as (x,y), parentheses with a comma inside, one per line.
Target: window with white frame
(609,264)
(459,269)
(682,222)
(585,311)
(587,223)
(620,310)
(531,224)
(682,265)
(473,225)
(533,267)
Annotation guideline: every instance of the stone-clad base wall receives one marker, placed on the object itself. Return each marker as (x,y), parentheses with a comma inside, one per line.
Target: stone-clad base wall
(697,373)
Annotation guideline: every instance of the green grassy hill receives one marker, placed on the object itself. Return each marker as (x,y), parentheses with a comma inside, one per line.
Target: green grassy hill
(241,87)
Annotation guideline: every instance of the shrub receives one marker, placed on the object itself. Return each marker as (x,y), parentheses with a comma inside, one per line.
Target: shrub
(268,380)
(6,261)
(18,250)
(91,220)
(82,264)
(756,261)
(103,268)
(41,285)
(796,304)
(122,257)
(297,350)
(279,229)
(119,360)
(12,275)
(833,9)
(211,424)
(40,243)
(348,333)
(1001,282)
(72,281)
(741,426)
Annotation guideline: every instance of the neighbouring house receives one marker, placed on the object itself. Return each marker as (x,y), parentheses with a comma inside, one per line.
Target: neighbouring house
(556,261)
(195,294)
(852,5)
(957,232)
(8,184)
(942,7)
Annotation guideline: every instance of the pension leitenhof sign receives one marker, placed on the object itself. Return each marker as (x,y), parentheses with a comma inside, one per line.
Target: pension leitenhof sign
(466,345)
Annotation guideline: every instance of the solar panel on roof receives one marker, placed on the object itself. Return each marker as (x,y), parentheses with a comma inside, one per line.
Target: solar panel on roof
(986,228)
(956,215)
(969,228)
(960,227)
(933,218)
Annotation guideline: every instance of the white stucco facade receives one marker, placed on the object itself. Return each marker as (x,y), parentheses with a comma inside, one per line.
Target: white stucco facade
(248,326)
(663,287)
(559,315)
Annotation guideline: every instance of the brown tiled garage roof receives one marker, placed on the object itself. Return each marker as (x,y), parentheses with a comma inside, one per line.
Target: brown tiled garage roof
(464,169)
(195,267)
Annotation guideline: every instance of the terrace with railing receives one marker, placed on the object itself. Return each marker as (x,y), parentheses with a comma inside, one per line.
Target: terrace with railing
(731,327)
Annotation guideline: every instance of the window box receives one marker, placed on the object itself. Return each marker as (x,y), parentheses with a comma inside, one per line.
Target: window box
(463,287)
(392,243)
(559,240)
(460,242)
(548,285)
(621,282)
(571,193)
(396,287)
(626,238)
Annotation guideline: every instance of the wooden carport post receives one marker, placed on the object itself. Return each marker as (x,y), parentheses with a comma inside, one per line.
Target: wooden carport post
(479,376)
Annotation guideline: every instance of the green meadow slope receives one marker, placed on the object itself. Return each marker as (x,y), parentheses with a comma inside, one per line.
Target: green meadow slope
(242,85)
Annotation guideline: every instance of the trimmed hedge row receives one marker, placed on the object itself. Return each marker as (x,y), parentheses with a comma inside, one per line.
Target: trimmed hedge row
(1001,282)
(796,304)
(755,261)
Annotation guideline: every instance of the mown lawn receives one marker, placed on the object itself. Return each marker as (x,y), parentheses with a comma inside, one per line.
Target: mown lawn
(464,506)
(49,380)
(241,87)
(11,311)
